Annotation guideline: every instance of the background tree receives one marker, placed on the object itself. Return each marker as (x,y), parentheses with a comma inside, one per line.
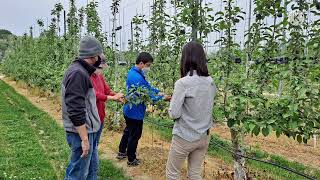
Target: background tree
(94,26)
(57,13)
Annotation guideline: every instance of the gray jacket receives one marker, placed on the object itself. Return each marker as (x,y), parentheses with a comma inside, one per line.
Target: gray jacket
(79,99)
(191,106)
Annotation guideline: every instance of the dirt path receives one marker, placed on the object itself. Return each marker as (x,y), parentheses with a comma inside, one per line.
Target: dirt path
(152,151)
(154,156)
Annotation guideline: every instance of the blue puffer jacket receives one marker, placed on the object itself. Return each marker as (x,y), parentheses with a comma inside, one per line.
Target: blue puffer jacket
(136,79)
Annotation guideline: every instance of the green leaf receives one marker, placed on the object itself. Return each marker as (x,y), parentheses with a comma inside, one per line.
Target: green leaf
(251,126)
(286,115)
(220,13)
(299,138)
(217,41)
(293,124)
(271,121)
(256,130)
(231,123)
(305,140)
(265,131)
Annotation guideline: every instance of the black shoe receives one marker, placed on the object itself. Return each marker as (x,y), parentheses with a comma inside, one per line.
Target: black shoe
(121,156)
(138,160)
(135,162)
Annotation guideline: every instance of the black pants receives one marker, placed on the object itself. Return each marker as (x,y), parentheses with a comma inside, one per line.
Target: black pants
(130,138)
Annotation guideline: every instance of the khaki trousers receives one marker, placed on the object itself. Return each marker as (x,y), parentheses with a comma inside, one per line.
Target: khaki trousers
(180,150)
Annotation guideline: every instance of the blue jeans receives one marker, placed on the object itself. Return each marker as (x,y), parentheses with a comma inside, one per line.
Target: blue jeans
(99,133)
(85,168)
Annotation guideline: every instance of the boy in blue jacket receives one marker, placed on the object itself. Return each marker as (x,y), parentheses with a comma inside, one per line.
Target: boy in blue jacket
(134,113)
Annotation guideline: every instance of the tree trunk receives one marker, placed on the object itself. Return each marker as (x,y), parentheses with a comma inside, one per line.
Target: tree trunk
(239,169)
(249,37)
(131,25)
(196,5)
(65,24)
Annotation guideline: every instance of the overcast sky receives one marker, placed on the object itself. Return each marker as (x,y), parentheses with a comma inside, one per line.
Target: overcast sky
(18,15)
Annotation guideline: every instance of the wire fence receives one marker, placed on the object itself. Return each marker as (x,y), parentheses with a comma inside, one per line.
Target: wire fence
(263,161)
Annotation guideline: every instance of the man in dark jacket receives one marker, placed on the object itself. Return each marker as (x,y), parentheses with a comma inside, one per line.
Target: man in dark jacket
(79,111)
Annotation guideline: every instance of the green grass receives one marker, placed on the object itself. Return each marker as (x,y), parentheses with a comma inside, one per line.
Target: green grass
(161,127)
(109,171)
(33,146)
(258,169)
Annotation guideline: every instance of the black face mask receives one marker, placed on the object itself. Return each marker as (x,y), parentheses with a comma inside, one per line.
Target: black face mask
(97,64)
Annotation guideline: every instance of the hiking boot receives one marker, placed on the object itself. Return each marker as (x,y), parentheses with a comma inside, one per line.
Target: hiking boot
(121,156)
(135,162)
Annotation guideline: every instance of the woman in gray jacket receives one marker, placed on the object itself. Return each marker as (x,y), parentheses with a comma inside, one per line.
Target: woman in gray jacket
(191,108)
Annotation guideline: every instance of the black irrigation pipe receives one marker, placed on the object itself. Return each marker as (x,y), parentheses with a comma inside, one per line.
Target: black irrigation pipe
(247,157)
(266,162)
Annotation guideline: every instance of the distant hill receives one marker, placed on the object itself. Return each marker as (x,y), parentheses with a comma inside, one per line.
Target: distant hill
(4,41)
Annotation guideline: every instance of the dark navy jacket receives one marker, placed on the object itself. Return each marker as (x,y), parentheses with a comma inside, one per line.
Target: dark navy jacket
(79,98)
